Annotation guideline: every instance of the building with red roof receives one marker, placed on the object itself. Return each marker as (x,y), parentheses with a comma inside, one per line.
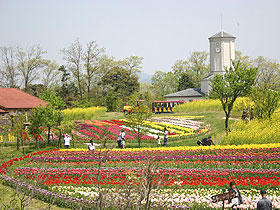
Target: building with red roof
(14,101)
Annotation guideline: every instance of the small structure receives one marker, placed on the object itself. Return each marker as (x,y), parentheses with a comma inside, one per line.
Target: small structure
(190,94)
(14,101)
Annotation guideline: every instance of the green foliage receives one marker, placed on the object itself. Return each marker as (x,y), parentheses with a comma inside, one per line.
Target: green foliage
(193,69)
(254,132)
(266,101)
(185,82)
(120,81)
(236,81)
(54,100)
(37,120)
(83,113)
(136,120)
(113,102)
(164,83)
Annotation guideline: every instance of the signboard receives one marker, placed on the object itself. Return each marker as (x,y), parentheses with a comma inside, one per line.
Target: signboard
(223,196)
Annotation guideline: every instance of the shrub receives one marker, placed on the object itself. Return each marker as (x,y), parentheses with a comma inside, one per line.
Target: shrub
(254,132)
(83,113)
(212,105)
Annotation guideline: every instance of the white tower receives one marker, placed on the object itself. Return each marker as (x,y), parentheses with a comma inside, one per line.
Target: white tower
(222,52)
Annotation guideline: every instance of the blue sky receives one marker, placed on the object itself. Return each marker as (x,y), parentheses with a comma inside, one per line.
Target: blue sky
(161,31)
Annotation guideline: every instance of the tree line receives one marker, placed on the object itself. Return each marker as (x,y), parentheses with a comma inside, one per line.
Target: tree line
(89,77)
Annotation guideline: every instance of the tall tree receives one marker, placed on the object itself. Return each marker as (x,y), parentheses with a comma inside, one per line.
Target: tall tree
(269,72)
(37,120)
(30,61)
(266,93)
(68,91)
(196,67)
(92,59)
(132,64)
(120,81)
(136,120)
(51,75)
(73,56)
(164,83)
(237,81)
(8,72)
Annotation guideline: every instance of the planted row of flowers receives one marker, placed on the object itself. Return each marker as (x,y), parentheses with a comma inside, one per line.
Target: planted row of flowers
(162,176)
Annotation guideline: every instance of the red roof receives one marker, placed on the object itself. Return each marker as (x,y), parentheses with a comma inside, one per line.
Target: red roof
(14,98)
(3,111)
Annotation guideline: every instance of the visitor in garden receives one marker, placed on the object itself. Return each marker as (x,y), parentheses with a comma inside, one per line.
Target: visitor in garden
(67,139)
(91,145)
(252,114)
(165,137)
(264,203)
(238,199)
(122,143)
(158,139)
(206,141)
(119,140)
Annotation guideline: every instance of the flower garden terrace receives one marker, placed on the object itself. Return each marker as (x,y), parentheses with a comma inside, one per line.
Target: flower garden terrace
(191,173)
(178,127)
(180,157)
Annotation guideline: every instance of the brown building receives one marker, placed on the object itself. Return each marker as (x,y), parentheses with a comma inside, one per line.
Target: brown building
(14,101)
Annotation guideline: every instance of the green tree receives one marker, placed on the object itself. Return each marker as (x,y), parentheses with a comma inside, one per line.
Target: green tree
(18,122)
(196,67)
(185,82)
(52,112)
(37,120)
(73,55)
(164,83)
(93,63)
(266,101)
(9,73)
(68,91)
(29,62)
(120,81)
(136,120)
(237,81)
(132,64)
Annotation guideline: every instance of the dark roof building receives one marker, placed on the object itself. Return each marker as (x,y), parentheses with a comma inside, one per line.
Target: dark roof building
(189,94)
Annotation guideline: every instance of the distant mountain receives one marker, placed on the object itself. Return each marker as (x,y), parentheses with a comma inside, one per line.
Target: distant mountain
(145,78)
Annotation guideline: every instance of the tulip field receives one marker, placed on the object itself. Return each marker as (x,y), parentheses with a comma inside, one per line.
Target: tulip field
(178,177)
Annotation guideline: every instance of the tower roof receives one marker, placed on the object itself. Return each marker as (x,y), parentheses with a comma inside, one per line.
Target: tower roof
(222,34)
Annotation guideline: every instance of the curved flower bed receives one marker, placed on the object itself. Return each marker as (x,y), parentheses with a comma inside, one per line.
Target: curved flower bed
(182,177)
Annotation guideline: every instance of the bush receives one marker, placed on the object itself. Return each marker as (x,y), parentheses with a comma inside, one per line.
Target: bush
(254,132)
(212,105)
(83,113)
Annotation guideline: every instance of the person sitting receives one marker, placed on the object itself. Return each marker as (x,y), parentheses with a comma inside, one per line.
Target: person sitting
(206,142)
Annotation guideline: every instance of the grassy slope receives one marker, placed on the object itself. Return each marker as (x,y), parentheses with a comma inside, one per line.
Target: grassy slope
(9,152)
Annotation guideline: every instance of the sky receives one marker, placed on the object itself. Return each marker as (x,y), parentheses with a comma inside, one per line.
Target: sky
(160,31)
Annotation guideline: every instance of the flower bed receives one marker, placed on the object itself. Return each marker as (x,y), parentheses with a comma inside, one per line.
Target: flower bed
(183,177)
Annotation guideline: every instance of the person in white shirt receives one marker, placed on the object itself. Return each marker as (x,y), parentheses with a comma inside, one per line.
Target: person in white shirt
(91,145)
(158,138)
(67,139)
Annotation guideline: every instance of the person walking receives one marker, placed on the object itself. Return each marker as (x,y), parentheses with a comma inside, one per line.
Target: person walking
(264,203)
(238,199)
(165,137)
(122,139)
